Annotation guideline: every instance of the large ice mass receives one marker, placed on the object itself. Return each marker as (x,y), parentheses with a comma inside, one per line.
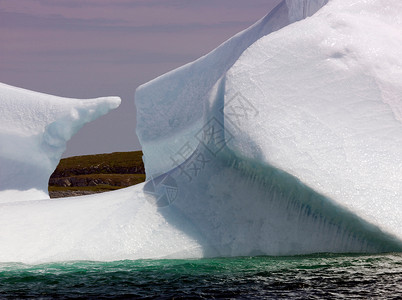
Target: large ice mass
(284,140)
(308,119)
(34,129)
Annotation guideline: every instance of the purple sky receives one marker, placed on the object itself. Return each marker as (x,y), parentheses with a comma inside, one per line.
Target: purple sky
(93,48)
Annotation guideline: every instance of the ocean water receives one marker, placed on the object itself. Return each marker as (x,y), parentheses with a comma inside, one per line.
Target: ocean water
(294,277)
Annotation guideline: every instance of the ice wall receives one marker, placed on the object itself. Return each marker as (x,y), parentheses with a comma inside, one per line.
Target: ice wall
(328,100)
(34,129)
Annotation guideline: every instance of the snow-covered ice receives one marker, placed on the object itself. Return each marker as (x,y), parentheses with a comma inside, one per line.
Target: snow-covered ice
(284,140)
(34,129)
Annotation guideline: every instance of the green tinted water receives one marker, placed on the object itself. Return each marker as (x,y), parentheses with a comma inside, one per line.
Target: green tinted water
(296,277)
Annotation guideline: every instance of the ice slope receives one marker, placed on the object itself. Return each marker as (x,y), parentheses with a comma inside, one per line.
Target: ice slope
(104,227)
(34,129)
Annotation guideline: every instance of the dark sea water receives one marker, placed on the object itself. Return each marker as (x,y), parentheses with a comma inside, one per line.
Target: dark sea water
(324,276)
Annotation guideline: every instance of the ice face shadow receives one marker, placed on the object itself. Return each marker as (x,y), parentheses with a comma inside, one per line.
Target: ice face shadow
(237,206)
(24,164)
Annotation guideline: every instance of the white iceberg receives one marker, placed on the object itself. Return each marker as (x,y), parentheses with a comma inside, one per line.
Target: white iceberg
(34,129)
(318,102)
(286,147)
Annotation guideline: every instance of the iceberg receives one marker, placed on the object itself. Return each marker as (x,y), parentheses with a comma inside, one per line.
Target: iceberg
(284,140)
(34,129)
(308,119)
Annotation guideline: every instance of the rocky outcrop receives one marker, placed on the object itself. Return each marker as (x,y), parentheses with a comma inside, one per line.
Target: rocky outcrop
(83,175)
(94,180)
(98,169)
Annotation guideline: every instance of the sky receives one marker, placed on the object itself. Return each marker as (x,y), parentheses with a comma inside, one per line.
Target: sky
(95,48)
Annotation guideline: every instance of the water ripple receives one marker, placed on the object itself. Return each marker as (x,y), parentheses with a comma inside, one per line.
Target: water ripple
(297,277)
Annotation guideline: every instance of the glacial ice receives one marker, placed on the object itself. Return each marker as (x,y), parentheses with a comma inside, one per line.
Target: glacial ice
(284,140)
(319,101)
(34,129)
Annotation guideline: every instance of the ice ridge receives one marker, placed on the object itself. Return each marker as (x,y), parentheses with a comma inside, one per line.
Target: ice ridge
(34,129)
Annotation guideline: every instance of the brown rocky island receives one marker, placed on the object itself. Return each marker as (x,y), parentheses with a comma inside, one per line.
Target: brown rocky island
(89,174)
